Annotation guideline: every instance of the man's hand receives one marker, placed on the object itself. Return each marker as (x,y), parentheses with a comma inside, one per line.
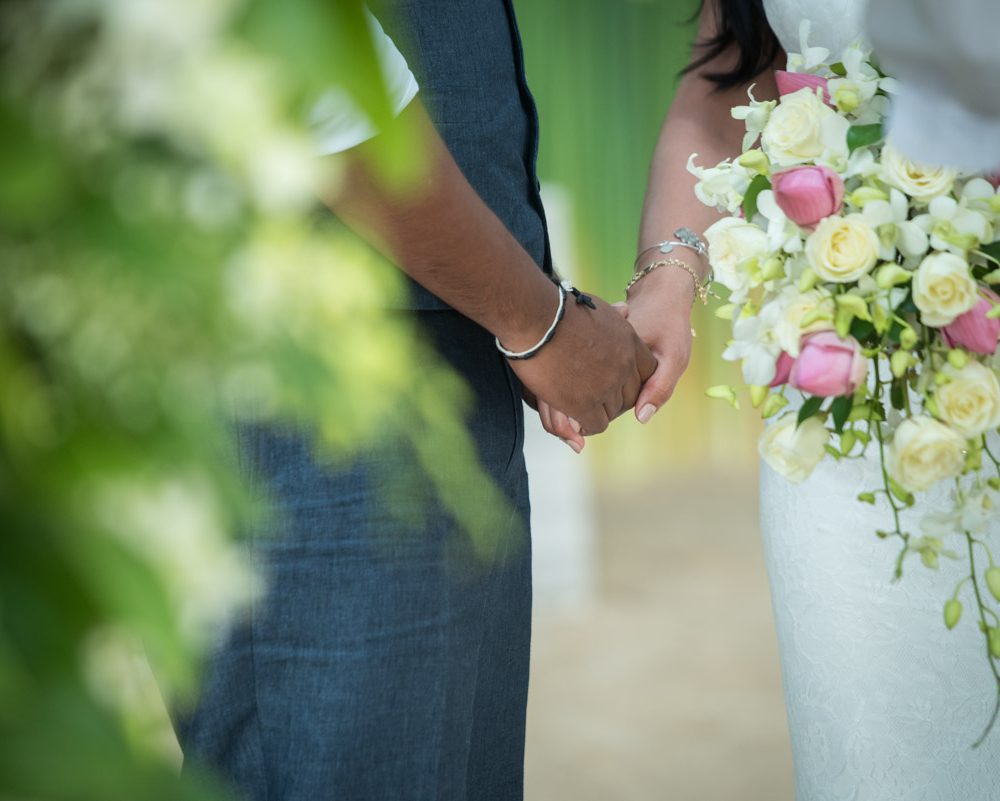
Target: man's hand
(592,370)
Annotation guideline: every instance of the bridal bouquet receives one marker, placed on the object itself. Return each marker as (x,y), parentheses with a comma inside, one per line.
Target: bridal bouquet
(862,280)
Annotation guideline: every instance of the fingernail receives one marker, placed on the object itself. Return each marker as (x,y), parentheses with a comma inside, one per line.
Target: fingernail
(575,446)
(574,425)
(646,413)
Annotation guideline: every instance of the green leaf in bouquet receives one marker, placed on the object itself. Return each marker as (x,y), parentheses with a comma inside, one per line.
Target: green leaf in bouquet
(833,452)
(840,410)
(861,330)
(864,135)
(991,251)
(809,409)
(867,497)
(757,185)
(838,68)
(897,395)
(907,306)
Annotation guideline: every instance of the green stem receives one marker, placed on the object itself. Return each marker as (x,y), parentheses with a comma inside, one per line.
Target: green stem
(989,656)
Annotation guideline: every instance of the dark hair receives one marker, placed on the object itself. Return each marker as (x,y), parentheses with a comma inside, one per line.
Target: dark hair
(742,23)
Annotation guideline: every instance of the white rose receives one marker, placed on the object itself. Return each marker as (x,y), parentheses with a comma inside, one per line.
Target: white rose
(803,128)
(842,249)
(733,242)
(793,452)
(919,181)
(795,307)
(943,288)
(924,452)
(970,401)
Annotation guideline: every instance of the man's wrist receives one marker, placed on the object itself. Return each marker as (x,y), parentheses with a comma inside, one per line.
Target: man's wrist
(529,315)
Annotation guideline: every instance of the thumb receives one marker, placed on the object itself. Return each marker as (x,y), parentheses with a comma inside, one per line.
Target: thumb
(654,394)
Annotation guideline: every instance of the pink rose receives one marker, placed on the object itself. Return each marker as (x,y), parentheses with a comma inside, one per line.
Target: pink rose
(789,82)
(828,365)
(782,369)
(808,194)
(974,330)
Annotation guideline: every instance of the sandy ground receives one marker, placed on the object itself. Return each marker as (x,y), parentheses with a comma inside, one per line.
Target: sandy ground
(666,684)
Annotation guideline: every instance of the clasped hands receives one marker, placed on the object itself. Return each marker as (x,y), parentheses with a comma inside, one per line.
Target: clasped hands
(607,361)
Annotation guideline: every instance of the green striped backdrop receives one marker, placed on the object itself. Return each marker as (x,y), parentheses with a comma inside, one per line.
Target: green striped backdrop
(603,73)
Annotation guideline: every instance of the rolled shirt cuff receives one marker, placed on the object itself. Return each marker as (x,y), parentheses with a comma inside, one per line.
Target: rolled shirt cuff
(338,123)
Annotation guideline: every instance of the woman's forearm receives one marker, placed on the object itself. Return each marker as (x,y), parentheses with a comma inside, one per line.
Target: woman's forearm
(699,122)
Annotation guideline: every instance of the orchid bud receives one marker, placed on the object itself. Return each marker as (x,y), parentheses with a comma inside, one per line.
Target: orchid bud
(957,358)
(952,613)
(993,581)
(865,194)
(908,337)
(900,362)
(890,275)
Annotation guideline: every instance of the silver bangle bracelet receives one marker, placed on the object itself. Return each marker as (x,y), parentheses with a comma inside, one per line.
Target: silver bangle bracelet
(686,238)
(527,354)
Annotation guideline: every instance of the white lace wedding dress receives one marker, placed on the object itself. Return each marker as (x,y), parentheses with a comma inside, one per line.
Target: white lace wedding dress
(883,702)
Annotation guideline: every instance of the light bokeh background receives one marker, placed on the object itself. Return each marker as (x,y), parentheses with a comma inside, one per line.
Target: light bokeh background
(655,672)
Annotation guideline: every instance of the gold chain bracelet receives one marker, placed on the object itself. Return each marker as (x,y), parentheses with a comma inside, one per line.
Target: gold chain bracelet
(700,288)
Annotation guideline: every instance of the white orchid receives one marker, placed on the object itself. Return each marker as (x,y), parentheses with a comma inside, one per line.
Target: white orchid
(782,233)
(973,511)
(810,59)
(981,195)
(895,231)
(859,84)
(953,227)
(755,344)
(722,186)
(754,115)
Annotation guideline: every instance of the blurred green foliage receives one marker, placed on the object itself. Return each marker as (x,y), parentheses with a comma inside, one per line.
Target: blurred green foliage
(162,277)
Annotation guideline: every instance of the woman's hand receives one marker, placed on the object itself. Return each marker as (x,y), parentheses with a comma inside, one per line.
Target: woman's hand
(659,309)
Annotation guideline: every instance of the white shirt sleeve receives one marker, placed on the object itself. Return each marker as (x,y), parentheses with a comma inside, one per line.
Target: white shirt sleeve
(338,123)
(946,58)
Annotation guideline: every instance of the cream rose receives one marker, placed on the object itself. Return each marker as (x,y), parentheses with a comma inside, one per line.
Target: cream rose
(943,288)
(919,181)
(970,401)
(793,452)
(842,249)
(803,128)
(732,242)
(924,452)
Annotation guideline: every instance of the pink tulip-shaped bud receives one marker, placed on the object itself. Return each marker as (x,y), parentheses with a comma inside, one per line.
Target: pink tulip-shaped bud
(994,179)
(782,369)
(808,194)
(789,82)
(829,366)
(974,330)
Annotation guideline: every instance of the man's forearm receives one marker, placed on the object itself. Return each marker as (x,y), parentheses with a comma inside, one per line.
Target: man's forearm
(445,237)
